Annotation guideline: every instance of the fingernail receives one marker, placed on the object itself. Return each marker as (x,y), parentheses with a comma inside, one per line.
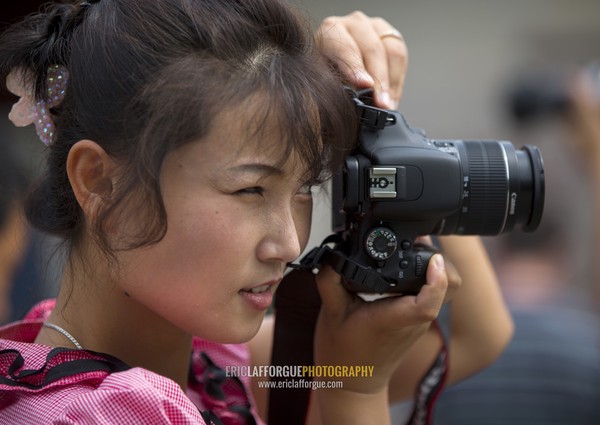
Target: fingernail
(439,262)
(387,100)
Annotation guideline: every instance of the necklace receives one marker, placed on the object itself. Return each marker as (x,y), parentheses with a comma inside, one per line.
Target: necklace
(65,333)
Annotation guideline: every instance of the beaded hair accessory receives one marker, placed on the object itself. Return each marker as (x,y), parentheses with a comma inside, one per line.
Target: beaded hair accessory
(28,110)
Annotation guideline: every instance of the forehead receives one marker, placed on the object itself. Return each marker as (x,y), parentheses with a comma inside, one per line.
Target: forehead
(260,127)
(250,127)
(264,127)
(245,134)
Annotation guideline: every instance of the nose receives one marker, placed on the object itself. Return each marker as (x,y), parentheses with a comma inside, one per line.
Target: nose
(282,240)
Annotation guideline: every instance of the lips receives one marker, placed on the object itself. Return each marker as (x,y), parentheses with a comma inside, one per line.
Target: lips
(260,297)
(258,289)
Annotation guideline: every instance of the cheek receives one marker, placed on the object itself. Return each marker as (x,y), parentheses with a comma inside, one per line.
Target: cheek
(199,266)
(202,239)
(205,239)
(303,221)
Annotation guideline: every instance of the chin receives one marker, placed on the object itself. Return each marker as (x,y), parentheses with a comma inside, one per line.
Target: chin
(236,332)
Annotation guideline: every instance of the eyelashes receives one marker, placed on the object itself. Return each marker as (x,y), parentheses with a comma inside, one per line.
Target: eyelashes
(254,190)
(305,190)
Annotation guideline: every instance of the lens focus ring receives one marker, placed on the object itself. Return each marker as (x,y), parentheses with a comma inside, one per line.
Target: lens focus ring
(486,195)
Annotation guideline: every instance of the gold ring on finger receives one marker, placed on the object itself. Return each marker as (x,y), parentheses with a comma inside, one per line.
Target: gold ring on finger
(393,34)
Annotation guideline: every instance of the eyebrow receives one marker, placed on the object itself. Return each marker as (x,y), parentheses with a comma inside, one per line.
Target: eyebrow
(257,168)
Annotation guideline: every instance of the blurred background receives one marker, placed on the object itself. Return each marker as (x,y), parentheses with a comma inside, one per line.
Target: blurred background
(469,62)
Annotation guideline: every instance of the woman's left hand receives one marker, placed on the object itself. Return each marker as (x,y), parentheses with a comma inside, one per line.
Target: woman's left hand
(369,52)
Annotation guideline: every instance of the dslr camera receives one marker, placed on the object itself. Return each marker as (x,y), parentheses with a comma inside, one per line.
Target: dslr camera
(397,184)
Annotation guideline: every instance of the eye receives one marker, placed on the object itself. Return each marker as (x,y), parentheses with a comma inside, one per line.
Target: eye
(254,190)
(305,190)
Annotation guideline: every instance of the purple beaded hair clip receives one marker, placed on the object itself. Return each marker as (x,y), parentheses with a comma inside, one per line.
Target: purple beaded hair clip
(27,110)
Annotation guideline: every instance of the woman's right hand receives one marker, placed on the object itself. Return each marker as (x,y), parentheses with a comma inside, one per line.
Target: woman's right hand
(369,52)
(353,332)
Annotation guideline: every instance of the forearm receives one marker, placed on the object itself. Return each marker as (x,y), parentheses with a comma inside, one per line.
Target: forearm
(595,187)
(334,406)
(481,325)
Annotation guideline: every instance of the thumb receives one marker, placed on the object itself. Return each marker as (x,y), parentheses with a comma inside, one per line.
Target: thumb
(430,298)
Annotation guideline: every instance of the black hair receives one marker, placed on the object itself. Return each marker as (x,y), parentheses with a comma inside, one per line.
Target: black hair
(148,76)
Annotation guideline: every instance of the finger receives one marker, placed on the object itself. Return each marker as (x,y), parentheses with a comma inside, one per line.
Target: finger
(385,56)
(341,48)
(402,311)
(397,65)
(431,296)
(334,296)
(397,57)
(375,59)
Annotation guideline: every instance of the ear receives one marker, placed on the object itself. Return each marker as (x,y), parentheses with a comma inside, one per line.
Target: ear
(91,173)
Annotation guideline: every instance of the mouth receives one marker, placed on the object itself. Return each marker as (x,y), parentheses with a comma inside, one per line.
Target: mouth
(259,289)
(260,297)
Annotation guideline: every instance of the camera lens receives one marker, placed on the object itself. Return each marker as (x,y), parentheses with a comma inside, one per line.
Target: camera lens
(502,188)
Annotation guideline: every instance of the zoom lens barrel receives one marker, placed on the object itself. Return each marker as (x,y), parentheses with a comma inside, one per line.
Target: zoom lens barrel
(502,188)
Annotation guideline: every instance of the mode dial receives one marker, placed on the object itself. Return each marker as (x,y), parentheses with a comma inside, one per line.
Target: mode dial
(381,243)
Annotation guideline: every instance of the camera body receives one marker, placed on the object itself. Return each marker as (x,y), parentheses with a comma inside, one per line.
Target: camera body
(397,184)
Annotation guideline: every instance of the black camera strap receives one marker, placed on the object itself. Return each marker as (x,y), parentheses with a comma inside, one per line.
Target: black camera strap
(297,305)
(349,269)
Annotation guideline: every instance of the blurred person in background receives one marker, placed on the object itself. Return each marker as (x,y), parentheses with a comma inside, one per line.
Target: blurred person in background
(550,372)
(584,120)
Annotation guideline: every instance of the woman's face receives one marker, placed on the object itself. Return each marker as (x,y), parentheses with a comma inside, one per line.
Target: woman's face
(235,218)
